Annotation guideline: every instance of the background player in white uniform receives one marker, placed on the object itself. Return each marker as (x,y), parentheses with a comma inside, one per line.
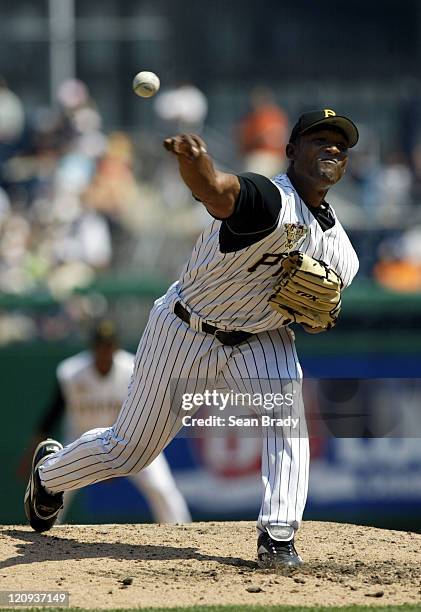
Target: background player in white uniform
(215,325)
(91,387)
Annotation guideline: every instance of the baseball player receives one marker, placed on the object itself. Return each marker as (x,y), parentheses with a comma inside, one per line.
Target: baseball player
(91,386)
(218,323)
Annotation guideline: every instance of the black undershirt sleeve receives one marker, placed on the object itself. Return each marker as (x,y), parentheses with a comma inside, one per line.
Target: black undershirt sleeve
(54,412)
(255,216)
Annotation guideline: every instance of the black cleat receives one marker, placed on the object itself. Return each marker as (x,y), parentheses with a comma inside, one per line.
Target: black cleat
(42,508)
(276,554)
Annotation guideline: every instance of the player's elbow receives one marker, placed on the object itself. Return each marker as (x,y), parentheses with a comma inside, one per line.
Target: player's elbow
(221,200)
(221,208)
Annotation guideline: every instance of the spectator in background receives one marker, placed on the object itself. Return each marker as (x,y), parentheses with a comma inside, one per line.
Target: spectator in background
(263,134)
(113,190)
(394,182)
(399,264)
(385,186)
(12,116)
(183,108)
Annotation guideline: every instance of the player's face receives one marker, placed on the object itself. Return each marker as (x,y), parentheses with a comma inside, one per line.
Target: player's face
(321,157)
(103,357)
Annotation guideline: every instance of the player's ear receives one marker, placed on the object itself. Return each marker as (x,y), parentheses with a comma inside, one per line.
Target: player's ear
(290,151)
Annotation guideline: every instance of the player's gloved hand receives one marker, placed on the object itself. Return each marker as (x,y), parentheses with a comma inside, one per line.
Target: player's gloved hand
(307,291)
(312,330)
(186,145)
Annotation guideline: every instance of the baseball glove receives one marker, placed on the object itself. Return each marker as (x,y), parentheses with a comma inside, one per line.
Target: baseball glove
(307,291)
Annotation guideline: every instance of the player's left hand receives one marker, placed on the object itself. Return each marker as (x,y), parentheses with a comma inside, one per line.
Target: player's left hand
(186,145)
(307,291)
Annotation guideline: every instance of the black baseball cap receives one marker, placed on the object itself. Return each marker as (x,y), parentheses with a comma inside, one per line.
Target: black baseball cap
(325,117)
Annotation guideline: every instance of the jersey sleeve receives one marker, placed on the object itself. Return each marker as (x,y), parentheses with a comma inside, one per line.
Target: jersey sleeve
(255,215)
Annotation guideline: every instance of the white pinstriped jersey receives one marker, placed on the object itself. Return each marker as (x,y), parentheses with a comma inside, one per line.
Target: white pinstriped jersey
(231,290)
(93,400)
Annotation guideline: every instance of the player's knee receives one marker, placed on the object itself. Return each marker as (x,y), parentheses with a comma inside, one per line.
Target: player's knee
(128,456)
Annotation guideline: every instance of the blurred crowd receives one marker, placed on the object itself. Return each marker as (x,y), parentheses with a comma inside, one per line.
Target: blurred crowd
(49,232)
(76,202)
(71,196)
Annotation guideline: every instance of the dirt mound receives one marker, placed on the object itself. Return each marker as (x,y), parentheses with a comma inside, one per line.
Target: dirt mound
(209,563)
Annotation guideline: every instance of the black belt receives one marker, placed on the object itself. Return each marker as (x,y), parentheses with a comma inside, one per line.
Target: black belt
(230,338)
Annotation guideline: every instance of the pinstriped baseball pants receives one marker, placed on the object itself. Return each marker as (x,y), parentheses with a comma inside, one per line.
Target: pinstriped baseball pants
(170,350)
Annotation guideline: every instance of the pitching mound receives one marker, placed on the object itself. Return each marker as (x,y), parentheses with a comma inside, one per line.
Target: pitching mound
(210,563)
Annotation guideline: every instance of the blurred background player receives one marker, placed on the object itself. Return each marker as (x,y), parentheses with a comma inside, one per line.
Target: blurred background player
(90,390)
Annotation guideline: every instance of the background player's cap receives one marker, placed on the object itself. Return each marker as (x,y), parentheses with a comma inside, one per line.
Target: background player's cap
(104,332)
(325,117)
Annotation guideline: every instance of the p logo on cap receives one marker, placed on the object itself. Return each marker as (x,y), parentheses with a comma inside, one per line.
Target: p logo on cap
(325,117)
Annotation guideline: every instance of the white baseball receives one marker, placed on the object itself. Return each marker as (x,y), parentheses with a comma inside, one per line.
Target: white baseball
(146,84)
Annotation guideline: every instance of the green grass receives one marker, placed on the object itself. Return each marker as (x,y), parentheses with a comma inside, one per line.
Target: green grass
(402,608)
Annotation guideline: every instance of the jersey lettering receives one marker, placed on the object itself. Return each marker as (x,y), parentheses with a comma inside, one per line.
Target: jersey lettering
(267,259)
